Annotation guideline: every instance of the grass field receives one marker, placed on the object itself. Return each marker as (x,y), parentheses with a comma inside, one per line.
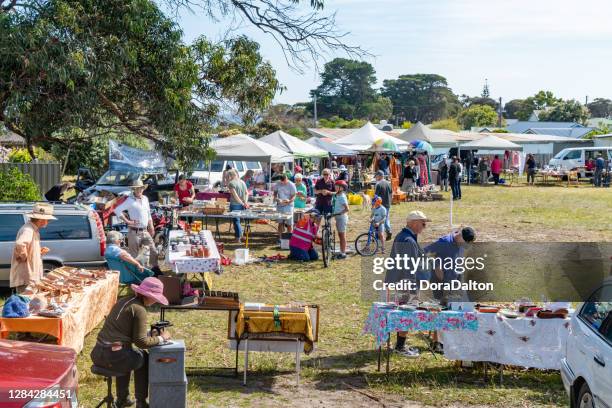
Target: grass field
(342,371)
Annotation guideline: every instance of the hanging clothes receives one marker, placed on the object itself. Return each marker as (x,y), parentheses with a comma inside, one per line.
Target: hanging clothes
(423,172)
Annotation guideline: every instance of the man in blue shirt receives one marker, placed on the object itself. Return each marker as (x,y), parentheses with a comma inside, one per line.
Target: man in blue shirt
(599,167)
(450,246)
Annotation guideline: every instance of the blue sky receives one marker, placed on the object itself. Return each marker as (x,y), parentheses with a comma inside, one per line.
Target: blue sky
(520,46)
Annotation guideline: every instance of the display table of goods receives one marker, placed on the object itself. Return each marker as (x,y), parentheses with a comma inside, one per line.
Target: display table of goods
(521,336)
(193,251)
(67,304)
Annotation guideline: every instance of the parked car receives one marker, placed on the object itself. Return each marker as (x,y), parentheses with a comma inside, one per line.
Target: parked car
(76,238)
(31,369)
(586,369)
(119,182)
(211,173)
(575,157)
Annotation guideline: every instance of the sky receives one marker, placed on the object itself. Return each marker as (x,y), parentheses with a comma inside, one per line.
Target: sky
(519,46)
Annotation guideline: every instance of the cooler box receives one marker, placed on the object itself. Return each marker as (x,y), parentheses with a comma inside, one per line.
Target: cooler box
(168,395)
(167,379)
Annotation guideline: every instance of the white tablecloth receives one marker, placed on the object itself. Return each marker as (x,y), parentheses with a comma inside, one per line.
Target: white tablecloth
(187,264)
(526,342)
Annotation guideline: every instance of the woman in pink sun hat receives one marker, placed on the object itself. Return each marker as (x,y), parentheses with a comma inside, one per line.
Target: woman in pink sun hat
(126,325)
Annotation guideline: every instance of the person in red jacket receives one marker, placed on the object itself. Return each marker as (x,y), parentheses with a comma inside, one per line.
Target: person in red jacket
(496,168)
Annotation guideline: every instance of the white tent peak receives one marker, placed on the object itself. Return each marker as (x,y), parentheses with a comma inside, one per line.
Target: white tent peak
(293,145)
(491,143)
(365,136)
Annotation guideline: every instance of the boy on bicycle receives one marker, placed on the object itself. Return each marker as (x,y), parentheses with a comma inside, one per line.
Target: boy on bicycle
(378,217)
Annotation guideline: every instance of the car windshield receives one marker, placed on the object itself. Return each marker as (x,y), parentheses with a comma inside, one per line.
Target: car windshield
(214,166)
(118,178)
(560,154)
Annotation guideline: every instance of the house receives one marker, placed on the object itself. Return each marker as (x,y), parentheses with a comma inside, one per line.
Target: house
(603,140)
(565,129)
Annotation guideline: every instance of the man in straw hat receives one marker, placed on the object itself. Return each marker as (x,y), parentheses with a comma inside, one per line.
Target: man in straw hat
(406,245)
(139,222)
(26,264)
(125,325)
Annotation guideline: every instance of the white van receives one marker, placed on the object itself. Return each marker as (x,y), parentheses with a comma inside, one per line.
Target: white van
(214,170)
(574,157)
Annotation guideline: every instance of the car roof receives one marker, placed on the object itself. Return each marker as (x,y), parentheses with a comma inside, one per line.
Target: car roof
(23,207)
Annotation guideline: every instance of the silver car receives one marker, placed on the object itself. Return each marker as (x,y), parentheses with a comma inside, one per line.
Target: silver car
(76,238)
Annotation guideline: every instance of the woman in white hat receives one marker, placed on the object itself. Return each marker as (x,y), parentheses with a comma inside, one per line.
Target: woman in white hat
(26,264)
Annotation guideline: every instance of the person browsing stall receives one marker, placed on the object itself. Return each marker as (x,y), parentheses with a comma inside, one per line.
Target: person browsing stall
(301,246)
(284,194)
(239,200)
(406,244)
(449,246)
(126,325)
(378,217)
(496,169)
(324,190)
(184,191)
(301,191)
(341,210)
(384,191)
(139,222)
(26,263)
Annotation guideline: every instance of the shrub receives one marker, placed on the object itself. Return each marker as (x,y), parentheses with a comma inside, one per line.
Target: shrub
(17,186)
(23,156)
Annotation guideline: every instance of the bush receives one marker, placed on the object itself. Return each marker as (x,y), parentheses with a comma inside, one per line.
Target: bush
(297,132)
(17,186)
(448,124)
(23,156)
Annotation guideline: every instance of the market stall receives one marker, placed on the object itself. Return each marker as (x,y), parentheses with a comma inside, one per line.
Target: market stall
(75,302)
(195,253)
(363,138)
(293,145)
(491,145)
(522,341)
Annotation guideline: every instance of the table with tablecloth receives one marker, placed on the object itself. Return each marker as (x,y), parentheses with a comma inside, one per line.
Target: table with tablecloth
(84,312)
(183,264)
(383,320)
(526,342)
(256,322)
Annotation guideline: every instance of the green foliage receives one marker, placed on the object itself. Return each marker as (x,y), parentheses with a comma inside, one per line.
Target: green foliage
(338,122)
(500,131)
(406,124)
(566,111)
(420,97)
(121,65)
(23,156)
(478,115)
(513,107)
(298,132)
(543,100)
(347,91)
(17,186)
(263,128)
(600,108)
(449,124)
(602,129)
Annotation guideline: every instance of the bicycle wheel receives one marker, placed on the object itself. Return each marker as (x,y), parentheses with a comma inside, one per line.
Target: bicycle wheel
(325,247)
(366,244)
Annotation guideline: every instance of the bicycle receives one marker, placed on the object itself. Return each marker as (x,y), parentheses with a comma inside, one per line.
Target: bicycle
(328,243)
(367,243)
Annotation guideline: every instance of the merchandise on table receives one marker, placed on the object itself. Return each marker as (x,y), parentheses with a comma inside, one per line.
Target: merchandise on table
(191,252)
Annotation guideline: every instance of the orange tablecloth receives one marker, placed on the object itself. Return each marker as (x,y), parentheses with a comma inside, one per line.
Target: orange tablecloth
(86,310)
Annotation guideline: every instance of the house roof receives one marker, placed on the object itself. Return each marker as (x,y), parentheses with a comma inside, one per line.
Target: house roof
(575,133)
(8,138)
(435,137)
(523,126)
(595,122)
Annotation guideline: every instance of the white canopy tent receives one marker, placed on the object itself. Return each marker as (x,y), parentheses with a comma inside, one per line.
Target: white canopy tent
(492,143)
(363,138)
(244,147)
(293,145)
(437,138)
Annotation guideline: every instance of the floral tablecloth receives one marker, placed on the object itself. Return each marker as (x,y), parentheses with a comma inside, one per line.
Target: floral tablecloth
(187,264)
(381,321)
(525,342)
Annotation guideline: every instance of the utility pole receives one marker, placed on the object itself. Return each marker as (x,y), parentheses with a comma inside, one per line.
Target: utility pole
(315,110)
(586,100)
(500,114)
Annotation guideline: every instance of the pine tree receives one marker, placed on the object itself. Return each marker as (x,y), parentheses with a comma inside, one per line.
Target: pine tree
(485,90)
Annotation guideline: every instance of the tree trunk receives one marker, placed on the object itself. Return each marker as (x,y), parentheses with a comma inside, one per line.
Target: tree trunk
(31,149)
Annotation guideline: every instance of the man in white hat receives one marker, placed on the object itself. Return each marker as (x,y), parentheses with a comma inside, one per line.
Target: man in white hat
(26,264)
(139,222)
(405,244)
